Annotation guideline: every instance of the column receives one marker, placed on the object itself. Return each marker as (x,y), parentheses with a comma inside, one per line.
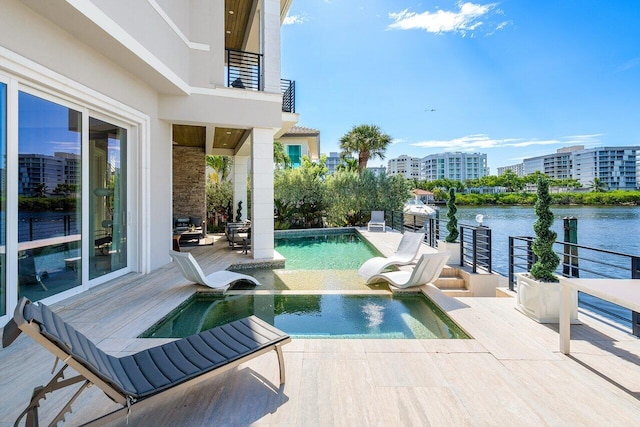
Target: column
(240,172)
(271,45)
(262,193)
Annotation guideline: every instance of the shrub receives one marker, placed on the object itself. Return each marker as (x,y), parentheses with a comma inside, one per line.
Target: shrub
(548,260)
(452,224)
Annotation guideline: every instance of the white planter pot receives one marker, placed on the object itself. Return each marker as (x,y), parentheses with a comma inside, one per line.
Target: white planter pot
(541,300)
(454,248)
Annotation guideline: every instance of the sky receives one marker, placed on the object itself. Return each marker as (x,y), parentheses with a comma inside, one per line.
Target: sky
(512,79)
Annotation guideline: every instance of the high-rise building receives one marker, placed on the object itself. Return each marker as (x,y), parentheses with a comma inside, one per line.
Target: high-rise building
(518,169)
(616,167)
(556,165)
(407,166)
(454,165)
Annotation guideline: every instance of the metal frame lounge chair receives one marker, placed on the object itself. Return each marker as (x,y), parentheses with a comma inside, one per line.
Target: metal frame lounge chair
(407,251)
(138,379)
(217,280)
(377,221)
(427,270)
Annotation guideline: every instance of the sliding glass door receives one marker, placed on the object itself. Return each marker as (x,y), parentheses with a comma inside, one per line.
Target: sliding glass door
(49,197)
(107,198)
(3,199)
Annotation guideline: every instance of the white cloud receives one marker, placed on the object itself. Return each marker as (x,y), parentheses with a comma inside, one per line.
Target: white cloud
(469,18)
(294,19)
(484,142)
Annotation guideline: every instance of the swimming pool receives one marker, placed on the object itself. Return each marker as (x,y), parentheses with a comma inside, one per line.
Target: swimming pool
(315,316)
(323,259)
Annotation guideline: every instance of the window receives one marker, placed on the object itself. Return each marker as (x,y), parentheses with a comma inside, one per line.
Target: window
(294,153)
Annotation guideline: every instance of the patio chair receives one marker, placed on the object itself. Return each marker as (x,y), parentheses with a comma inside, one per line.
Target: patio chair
(221,279)
(138,379)
(377,221)
(405,254)
(427,270)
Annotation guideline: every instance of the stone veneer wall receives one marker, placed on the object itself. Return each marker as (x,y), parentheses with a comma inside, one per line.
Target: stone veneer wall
(189,182)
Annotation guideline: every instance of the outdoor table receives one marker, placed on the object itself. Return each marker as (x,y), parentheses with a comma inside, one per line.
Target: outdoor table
(623,292)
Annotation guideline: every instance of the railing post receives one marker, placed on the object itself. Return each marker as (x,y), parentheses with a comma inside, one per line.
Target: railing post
(474,236)
(461,246)
(487,233)
(511,261)
(437,231)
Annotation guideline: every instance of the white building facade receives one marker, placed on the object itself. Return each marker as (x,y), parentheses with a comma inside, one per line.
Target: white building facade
(406,166)
(108,83)
(454,165)
(518,169)
(616,167)
(557,165)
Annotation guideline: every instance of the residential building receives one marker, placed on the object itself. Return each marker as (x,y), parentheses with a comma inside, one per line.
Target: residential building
(378,170)
(126,99)
(616,167)
(301,141)
(518,169)
(407,166)
(556,165)
(454,165)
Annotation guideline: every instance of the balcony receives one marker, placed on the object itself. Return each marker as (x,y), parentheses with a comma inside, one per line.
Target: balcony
(244,71)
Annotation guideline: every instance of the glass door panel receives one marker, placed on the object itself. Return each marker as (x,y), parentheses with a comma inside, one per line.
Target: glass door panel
(108,198)
(3,198)
(49,201)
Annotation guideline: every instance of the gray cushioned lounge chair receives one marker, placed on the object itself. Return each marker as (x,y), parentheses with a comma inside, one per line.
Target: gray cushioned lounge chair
(377,221)
(138,379)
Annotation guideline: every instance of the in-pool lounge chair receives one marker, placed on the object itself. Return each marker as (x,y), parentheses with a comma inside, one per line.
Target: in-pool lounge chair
(377,221)
(407,251)
(427,269)
(218,280)
(138,379)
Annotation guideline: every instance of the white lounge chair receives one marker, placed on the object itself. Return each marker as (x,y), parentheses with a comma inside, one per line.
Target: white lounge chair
(377,220)
(218,280)
(427,270)
(407,251)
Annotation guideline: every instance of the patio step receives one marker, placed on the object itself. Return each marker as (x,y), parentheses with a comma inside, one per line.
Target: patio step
(457,292)
(450,283)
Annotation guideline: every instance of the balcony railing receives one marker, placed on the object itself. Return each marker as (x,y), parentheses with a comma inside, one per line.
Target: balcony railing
(288,90)
(244,71)
(475,241)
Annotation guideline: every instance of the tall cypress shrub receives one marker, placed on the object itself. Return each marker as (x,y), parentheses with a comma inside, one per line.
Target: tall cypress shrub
(452,224)
(548,260)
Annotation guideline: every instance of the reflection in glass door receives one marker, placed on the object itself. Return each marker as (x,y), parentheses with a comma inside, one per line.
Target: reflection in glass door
(107,198)
(49,203)
(3,198)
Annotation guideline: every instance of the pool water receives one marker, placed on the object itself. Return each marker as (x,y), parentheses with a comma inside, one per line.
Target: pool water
(325,252)
(321,262)
(315,316)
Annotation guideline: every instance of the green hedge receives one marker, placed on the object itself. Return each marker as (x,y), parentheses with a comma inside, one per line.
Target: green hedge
(610,198)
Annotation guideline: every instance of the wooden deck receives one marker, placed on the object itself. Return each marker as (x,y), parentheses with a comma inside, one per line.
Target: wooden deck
(510,373)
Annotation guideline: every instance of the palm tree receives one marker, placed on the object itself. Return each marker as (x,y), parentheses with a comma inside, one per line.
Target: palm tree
(348,165)
(221,165)
(597,186)
(366,140)
(280,157)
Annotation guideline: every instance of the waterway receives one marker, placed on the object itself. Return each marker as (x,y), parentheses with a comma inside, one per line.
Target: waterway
(614,228)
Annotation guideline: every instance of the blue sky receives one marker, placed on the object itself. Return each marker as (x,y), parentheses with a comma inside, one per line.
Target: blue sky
(512,79)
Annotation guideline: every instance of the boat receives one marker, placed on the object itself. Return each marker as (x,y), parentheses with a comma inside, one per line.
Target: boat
(418,208)
(416,213)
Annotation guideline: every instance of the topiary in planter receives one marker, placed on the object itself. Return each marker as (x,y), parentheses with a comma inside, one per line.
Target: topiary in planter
(452,224)
(548,260)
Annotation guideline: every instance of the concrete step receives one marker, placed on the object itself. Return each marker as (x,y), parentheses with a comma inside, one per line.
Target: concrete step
(455,282)
(457,292)
(449,272)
